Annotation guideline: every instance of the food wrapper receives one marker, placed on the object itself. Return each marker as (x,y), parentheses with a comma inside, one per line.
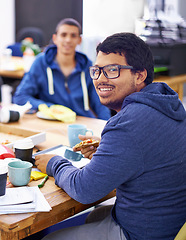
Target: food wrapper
(58,112)
(6,152)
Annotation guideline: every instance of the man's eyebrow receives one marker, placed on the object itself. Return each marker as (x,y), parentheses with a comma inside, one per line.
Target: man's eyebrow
(96,65)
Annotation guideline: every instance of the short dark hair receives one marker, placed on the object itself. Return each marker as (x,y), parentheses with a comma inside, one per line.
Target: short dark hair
(135,50)
(69,21)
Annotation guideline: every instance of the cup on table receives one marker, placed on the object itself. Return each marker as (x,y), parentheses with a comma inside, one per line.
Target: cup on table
(24,149)
(7,54)
(7,160)
(3,178)
(74,130)
(19,172)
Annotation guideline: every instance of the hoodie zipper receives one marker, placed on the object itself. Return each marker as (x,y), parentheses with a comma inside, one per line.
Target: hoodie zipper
(66,84)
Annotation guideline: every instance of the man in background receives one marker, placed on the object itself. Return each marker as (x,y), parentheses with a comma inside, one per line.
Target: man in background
(141,154)
(60,75)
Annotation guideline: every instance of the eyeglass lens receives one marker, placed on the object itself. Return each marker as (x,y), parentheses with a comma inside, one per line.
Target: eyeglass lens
(108,71)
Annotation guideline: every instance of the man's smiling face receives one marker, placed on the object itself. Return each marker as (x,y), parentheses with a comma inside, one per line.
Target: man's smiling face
(66,39)
(112,92)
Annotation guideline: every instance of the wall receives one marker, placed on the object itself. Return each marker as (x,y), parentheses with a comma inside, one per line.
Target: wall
(45,14)
(182,8)
(105,17)
(7,26)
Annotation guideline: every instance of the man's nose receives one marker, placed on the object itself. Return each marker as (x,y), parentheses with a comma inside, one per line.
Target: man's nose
(68,38)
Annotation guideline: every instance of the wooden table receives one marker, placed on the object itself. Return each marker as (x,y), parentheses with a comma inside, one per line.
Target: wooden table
(19,68)
(18,226)
(176,83)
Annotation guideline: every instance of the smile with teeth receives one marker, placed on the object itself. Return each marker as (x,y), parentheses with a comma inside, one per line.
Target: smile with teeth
(104,89)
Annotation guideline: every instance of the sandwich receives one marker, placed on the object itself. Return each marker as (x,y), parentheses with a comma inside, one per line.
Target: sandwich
(86,143)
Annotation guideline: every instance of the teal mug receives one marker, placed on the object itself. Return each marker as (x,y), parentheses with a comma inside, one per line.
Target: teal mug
(19,172)
(74,130)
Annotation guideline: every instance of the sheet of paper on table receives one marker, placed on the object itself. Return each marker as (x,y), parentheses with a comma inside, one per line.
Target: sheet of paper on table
(23,200)
(60,150)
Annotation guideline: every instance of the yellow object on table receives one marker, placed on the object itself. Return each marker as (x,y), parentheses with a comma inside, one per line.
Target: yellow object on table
(58,112)
(35,175)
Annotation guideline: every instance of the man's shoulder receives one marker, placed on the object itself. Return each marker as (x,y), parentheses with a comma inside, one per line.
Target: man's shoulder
(130,113)
(39,60)
(40,57)
(83,58)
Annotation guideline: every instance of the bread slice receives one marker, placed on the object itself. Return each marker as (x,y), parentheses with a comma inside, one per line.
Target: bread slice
(86,143)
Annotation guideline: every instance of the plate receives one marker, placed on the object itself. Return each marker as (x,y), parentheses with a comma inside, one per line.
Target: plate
(42,116)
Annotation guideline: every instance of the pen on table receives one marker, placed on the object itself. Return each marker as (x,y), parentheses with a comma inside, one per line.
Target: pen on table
(43,181)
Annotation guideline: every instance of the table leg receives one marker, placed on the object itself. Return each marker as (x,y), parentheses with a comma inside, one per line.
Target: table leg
(8,236)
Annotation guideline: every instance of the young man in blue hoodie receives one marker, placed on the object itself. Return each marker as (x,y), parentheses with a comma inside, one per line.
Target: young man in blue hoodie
(141,153)
(60,75)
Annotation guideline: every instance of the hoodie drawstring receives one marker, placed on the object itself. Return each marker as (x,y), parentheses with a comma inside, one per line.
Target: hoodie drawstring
(83,85)
(50,81)
(85,91)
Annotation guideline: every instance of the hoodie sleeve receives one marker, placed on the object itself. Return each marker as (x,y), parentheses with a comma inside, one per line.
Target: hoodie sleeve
(106,171)
(28,89)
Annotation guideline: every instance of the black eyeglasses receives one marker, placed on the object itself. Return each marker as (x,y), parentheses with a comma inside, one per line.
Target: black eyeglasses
(110,71)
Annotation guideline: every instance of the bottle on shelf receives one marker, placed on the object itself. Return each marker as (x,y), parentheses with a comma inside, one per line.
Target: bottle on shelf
(30,50)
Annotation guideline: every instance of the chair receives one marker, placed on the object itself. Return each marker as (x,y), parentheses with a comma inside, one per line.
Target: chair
(34,32)
(16,49)
(181,234)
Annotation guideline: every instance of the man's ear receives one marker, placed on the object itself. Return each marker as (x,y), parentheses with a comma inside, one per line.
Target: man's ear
(80,40)
(54,38)
(141,76)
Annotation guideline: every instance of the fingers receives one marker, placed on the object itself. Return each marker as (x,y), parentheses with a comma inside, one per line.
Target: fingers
(76,149)
(44,156)
(37,157)
(85,137)
(88,151)
(42,160)
(89,155)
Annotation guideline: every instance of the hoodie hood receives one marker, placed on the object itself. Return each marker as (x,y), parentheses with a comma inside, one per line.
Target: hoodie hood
(82,64)
(160,97)
(50,54)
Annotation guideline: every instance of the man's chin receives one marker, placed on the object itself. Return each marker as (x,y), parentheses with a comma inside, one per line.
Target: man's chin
(111,105)
(105,103)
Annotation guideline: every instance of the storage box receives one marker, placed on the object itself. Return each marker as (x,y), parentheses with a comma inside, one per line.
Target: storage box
(10,134)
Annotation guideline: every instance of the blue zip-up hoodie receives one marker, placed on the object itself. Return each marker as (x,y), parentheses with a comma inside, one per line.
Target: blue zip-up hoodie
(142,154)
(45,83)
